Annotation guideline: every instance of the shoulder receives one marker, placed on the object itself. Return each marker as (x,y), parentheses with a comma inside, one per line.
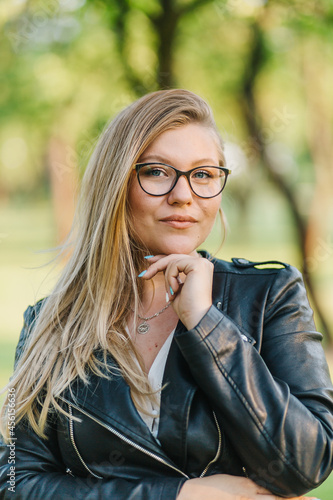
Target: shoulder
(32,312)
(249,275)
(30,316)
(242,266)
(262,290)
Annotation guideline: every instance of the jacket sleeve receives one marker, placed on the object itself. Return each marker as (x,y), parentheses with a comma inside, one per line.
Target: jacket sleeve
(31,467)
(275,406)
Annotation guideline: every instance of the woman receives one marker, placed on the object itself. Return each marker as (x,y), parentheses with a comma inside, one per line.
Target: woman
(153,371)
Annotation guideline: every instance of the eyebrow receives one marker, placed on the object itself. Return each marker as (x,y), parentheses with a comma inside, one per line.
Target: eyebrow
(162,159)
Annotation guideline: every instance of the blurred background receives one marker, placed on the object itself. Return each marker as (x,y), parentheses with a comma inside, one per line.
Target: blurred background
(265,67)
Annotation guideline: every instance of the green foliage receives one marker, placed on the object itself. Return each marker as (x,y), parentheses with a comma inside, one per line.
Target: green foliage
(70,67)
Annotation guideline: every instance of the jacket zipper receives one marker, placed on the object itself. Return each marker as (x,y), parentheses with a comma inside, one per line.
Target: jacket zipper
(218,448)
(71,433)
(121,436)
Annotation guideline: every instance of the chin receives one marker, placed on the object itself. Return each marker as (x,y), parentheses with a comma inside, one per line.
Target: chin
(175,247)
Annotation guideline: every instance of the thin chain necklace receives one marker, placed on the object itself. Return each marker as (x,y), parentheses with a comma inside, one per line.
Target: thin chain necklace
(143,327)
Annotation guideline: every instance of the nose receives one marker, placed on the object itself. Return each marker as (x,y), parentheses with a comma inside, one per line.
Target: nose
(182,193)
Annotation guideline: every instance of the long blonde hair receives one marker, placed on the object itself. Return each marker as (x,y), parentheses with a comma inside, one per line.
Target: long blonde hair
(90,305)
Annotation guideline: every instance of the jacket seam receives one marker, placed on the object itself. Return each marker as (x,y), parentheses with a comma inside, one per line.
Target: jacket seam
(187,405)
(304,332)
(225,292)
(250,272)
(252,413)
(271,299)
(249,337)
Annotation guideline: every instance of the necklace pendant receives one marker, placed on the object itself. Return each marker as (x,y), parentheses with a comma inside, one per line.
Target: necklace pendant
(143,328)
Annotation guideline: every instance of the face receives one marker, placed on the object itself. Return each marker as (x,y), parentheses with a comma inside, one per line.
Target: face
(179,221)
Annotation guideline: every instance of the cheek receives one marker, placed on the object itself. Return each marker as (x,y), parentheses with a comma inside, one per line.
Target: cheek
(211,209)
(142,206)
(133,195)
(136,200)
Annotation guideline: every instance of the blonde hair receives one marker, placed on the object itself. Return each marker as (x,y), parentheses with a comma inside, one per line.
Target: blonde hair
(90,305)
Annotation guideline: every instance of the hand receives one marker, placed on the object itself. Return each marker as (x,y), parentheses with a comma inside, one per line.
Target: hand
(226,487)
(192,292)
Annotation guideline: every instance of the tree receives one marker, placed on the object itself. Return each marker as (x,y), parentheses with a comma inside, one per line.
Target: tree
(145,47)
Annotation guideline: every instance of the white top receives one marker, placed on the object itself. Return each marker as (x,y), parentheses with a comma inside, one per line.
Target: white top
(155,377)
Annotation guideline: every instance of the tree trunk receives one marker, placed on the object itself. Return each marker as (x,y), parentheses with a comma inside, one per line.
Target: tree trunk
(250,111)
(165,27)
(64,184)
(320,133)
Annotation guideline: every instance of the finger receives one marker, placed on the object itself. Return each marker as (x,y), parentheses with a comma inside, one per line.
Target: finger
(150,259)
(304,498)
(270,496)
(159,263)
(173,280)
(152,269)
(179,280)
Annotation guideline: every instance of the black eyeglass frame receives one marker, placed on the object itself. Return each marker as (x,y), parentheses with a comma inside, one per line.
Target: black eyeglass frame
(137,167)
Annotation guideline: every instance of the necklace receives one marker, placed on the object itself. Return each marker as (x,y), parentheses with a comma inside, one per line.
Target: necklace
(143,327)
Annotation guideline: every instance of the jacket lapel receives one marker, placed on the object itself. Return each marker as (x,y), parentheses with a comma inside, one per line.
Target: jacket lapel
(108,400)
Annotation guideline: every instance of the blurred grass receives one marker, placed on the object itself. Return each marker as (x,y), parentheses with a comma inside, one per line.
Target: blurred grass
(25,230)
(28,229)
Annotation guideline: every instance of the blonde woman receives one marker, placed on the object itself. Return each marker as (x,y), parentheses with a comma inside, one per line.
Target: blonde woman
(153,371)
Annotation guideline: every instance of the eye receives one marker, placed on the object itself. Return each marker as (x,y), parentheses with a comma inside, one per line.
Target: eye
(202,174)
(154,171)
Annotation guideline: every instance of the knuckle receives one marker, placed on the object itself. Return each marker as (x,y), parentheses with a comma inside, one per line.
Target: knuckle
(208,264)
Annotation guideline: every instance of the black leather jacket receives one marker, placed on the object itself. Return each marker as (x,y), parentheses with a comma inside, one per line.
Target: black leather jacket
(248,393)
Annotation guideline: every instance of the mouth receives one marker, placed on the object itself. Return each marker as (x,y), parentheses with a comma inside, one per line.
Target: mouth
(179,221)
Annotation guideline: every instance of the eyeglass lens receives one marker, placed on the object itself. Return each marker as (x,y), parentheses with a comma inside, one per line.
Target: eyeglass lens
(157,179)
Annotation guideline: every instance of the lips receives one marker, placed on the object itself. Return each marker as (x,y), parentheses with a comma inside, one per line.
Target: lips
(179,221)
(181,218)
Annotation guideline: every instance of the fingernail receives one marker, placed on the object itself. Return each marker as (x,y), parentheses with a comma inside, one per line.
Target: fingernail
(167,297)
(148,256)
(171,291)
(142,274)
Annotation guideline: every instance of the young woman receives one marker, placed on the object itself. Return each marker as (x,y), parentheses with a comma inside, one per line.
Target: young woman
(154,371)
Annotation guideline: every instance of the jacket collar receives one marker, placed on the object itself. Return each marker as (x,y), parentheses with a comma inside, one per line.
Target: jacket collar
(108,400)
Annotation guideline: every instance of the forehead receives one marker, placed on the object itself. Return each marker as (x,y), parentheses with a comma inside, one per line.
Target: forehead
(188,144)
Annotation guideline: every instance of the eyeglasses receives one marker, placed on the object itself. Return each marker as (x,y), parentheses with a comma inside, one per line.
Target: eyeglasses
(158,179)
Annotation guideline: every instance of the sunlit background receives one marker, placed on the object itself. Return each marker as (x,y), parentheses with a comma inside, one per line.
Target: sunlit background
(265,67)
